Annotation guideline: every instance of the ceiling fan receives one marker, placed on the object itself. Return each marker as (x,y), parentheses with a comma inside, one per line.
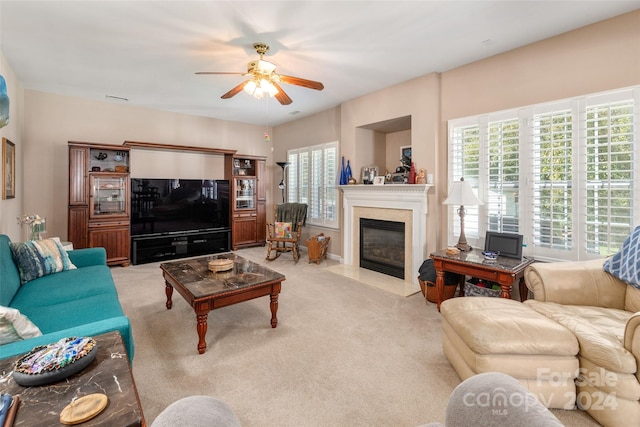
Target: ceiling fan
(264,80)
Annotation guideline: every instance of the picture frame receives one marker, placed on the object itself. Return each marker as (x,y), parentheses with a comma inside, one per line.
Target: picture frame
(405,151)
(378,180)
(8,169)
(368,174)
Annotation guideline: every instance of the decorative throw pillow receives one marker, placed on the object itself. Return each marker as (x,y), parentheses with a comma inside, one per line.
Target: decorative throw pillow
(283,230)
(625,264)
(37,258)
(14,326)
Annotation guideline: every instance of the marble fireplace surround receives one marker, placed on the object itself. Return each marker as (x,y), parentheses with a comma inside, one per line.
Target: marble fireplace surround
(394,202)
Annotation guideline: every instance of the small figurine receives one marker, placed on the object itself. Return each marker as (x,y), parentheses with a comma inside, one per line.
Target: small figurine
(421,178)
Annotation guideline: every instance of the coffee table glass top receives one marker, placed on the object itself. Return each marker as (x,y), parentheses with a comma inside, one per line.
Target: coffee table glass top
(475,257)
(195,276)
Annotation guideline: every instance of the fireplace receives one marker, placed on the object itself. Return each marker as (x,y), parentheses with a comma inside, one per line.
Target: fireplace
(382,246)
(404,203)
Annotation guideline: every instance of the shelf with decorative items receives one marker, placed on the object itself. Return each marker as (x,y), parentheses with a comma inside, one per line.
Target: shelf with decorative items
(105,160)
(99,199)
(249,195)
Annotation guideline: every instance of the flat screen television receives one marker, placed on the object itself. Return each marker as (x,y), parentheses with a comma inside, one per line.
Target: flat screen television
(164,206)
(508,244)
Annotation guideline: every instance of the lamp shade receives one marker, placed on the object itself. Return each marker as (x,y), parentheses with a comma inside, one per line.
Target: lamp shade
(461,193)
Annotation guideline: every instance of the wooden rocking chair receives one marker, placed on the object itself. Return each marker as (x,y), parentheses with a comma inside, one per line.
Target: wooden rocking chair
(283,235)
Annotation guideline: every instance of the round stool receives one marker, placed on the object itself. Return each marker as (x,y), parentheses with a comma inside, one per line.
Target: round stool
(197,411)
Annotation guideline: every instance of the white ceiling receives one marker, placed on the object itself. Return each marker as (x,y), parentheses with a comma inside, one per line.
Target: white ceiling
(148,51)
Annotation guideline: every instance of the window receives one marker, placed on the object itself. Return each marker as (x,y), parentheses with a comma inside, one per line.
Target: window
(561,174)
(312,180)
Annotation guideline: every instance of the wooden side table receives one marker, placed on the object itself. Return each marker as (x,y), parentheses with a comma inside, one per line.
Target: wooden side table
(503,271)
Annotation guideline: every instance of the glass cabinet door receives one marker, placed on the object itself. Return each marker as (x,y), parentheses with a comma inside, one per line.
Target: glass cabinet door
(108,196)
(245,193)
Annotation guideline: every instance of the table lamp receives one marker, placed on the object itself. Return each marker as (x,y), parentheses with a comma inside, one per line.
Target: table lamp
(461,193)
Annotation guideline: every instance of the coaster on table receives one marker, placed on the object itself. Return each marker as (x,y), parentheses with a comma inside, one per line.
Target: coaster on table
(83,409)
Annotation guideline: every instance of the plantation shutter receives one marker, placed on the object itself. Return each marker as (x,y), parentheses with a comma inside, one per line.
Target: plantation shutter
(292,176)
(503,176)
(304,176)
(609,181)
(552,136)
(312,180)
(316,187)
(465,152)
(330,190)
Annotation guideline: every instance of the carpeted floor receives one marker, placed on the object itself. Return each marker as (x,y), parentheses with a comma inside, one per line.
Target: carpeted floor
(344,353)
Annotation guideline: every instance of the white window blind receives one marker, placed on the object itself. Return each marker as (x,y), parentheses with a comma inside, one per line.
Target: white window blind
(466,152)
(552,204)
(503,176)
(312,180)
(561,173)
(610,171)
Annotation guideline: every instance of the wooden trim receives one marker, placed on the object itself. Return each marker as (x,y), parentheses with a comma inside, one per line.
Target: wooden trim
(172,147)
(250,157)
(97,146)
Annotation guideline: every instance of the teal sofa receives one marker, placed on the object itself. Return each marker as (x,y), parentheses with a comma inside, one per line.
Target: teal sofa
(79,302)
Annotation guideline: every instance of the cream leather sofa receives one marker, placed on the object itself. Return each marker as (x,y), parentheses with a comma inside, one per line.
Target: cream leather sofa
(604,315)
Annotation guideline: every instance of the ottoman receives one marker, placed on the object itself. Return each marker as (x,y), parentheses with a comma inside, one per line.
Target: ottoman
(484,334)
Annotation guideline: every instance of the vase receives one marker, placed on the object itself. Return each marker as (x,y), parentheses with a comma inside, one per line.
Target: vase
(343,174)
(348,176)
(412,174)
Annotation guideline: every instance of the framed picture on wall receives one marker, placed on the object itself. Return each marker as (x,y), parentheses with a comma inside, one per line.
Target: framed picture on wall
(405,152)
(8,169)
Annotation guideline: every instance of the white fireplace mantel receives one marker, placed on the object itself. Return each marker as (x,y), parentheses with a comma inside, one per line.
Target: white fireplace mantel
(407,197)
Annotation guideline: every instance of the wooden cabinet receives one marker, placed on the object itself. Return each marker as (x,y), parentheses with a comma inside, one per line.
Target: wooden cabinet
(99,199)
(248,200)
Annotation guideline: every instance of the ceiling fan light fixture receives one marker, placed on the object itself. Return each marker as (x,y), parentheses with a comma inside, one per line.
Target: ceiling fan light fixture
(267,87)
(258,88)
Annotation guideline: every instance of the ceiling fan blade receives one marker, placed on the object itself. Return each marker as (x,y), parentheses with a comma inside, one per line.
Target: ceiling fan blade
(281,96)
(301,82)
(233,92)
(218,72)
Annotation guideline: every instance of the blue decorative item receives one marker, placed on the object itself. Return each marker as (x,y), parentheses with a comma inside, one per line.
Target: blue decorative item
(343,174)
(625,264)
(348,172)
(4,103)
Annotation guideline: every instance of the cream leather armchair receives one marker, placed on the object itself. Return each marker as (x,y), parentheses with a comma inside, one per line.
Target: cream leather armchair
(603,312)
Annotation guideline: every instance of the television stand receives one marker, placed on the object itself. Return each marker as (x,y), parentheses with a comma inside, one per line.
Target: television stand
(152,248)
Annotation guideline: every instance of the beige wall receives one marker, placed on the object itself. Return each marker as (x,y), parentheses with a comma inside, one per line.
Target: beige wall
(393,145)
(592,59)
(53,120)
(418,98)
(12,208)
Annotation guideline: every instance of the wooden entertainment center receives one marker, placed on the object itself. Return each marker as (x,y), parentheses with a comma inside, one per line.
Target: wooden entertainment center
(100,198)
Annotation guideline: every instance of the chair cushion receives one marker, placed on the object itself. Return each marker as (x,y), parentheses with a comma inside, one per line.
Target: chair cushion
(282,230)
(625,264)
(37,258)
(599,331)
(504,326)
(15,326)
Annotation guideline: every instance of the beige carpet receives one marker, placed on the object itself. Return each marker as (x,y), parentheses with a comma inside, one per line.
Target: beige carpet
(344,353)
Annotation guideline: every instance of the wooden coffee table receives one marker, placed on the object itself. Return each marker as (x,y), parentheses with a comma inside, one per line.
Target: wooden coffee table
(205,290)
(109,373)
